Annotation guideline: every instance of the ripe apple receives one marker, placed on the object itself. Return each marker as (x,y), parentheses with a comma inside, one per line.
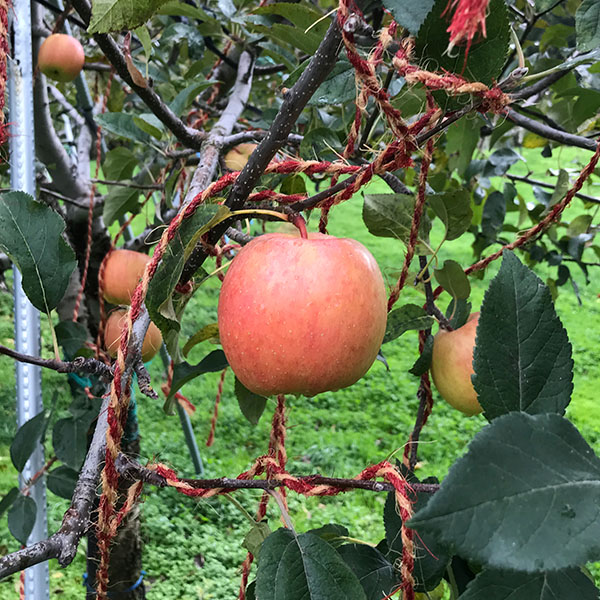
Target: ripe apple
(301,316)
(112,335)
(452,366)
(61,57)
(238,156)
(122,273)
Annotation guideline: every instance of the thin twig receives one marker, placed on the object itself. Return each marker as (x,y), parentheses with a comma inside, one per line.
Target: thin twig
(550,186)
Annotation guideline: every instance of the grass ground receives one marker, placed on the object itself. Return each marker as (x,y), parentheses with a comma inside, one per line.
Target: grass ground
(193,549)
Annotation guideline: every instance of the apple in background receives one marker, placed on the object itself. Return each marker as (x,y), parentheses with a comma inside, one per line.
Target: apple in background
(302,316)
(237,157)
(112,335)
(452,366)
(122,273)
(61,57)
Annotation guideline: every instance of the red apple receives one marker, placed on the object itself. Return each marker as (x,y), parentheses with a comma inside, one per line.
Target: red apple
(301,316)
(112,335)
(238,156)
(452,366)
(61,57)
(122,273)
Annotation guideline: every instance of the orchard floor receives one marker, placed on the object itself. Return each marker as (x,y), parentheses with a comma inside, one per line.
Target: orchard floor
(194,548)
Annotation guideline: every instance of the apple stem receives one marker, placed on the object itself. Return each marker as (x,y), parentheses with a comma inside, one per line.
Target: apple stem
(298,221)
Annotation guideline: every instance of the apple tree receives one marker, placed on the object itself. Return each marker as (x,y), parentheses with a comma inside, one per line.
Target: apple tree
(188,120)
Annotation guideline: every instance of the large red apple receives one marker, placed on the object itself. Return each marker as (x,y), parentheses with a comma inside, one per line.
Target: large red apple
(122,273)
(112,335)
(302,316)
(61,57)
(452,366)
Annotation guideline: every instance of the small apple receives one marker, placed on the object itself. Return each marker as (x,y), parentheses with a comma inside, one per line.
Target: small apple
(237,157)
(452,366)
(61,57)
(122,272)
(301,315)
(112,335)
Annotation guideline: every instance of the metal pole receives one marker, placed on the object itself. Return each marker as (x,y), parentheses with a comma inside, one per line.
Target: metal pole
(27,318)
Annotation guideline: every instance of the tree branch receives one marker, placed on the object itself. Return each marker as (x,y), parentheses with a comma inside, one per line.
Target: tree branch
(543,130)
(550,186)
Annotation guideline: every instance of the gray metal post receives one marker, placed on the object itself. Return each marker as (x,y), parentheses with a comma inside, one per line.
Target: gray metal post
(27,319)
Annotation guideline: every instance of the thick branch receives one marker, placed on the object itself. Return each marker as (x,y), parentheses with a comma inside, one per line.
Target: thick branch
(550,133)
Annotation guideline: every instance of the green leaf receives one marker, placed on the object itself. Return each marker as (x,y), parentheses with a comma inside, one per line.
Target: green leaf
(31,233)
(423,363)
(339,87)
(206,333)
(553,585)
(332,533)
(281,33)
(252,405)
(69,440)
(71,336)
(296,567)
(180,9)
(374,571)
(461,140)
(256,536)
(431,557)
(26,440)
(187,95)
(21,518)
(562,186)
(162,285)
(143,35)
(400,320)
(492,219)
(524,497)
(390,215)
(118,202)
(149,124)
(303,16)
(119,163)
(522,358)
(587,25)
(454,210)
(184,372)
(123,125)
(116,15)
(486,55)
(453,279)
(458,312)
(8,500)
(62,481)
(409,14)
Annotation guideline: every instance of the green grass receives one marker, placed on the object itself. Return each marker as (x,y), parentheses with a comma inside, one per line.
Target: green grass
(193,548)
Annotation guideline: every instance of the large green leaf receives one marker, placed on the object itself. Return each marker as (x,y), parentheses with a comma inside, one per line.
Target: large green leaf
(62,481)
(69,439)
(116,15)
(569,584)
(461,140)
(31,233)
(26,440)
(409,14)
(524,497)
(166,277)
(587,25)
(298,567)
(453,208)
(252,405)
(118,201)
(374,571)
(453,279)
(522,358)
(21,518)
(486,55)
(123,125)
(400,320)
(390,215)
(339,87)
(119,163)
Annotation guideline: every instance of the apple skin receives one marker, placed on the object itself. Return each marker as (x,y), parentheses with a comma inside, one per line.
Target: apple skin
(237,157)
(112,335)
(452,366)
(61,57)
(302,316)
(122,273)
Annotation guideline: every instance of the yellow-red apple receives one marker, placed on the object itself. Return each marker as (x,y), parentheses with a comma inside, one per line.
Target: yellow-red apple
(122,273)
(238,156)
(452,366)
(61,57)
(301,316)
(112,335)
